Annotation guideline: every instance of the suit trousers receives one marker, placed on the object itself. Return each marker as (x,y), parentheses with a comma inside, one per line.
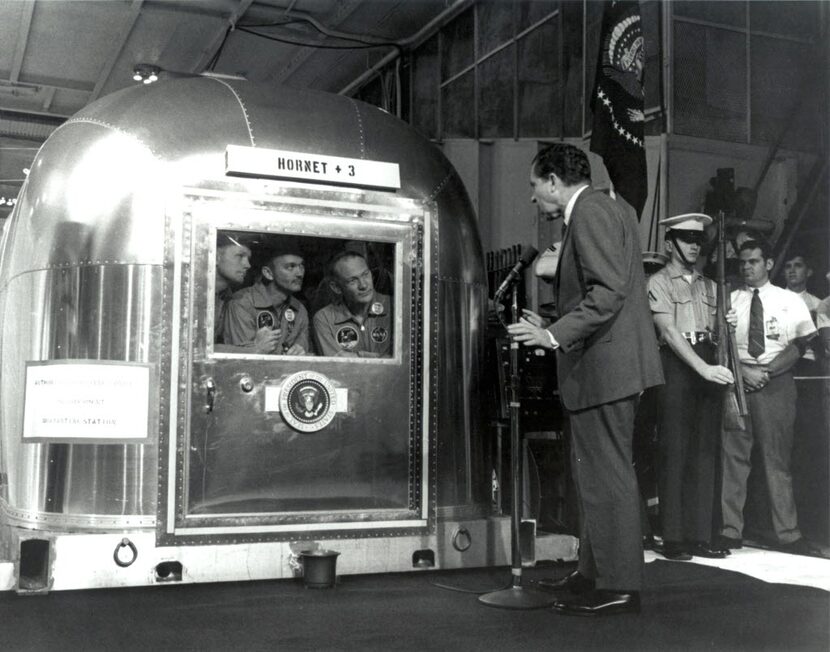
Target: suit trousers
(770,427)
(610,540)
(688,445)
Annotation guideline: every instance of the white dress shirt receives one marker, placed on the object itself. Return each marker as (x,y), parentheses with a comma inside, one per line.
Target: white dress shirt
(786,318)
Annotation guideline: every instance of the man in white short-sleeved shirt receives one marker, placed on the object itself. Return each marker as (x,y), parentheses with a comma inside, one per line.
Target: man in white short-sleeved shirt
(773,327)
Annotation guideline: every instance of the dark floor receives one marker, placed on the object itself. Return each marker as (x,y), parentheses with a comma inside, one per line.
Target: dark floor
(685,607)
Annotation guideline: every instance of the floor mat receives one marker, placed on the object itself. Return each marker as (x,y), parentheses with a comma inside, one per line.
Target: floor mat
(686,606)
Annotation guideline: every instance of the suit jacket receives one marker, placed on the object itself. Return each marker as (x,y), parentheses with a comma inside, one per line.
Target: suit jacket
(607,345)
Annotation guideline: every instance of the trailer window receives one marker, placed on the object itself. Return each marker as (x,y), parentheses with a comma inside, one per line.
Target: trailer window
(278,294)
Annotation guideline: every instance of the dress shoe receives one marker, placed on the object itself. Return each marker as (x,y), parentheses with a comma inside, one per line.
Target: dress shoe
(702,549)
(799,547)
(674,550)
(728,543)
(574,582)
(600,602)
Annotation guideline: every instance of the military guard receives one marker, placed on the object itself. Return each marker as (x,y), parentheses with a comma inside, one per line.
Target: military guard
(684,304)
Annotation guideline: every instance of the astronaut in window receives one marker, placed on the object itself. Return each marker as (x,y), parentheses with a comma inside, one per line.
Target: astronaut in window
(358,323)
(267,317)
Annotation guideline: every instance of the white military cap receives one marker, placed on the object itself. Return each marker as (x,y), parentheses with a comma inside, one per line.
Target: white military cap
(687,222)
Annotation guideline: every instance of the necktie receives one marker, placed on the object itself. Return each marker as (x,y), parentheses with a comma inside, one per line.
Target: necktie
(755,346)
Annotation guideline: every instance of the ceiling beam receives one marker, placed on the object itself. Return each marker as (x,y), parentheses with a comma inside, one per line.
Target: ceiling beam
(120,42)
(209,52)
(60,83)
(26,12)
(48,98)
(344,10)
(410,43)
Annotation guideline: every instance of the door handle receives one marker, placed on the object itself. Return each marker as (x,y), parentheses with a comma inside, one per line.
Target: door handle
(210,393)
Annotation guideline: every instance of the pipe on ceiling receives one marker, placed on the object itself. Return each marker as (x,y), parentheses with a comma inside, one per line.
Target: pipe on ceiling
(410,43)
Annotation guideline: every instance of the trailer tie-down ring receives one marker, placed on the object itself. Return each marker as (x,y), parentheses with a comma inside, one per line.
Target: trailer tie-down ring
(462,539)
(125,543)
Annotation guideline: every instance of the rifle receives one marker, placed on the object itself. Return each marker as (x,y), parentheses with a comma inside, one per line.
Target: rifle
(734,404)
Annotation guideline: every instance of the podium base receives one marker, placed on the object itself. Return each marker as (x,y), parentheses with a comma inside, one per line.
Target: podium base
(517,597)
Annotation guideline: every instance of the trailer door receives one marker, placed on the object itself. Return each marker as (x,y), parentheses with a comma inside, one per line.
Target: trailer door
(278,446)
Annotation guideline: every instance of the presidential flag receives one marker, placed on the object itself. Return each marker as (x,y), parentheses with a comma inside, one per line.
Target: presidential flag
(617,102)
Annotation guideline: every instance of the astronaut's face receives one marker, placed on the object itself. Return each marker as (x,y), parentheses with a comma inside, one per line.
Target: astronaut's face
(353,281)
(233,262)
(286,272)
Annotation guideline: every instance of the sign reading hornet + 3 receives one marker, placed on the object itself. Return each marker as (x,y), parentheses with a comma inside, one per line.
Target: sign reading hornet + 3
(281,164)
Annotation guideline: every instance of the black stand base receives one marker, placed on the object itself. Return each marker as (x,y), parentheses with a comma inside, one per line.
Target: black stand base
(517,597)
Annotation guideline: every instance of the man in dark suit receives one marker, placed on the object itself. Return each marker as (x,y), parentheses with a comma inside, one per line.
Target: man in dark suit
(606,356)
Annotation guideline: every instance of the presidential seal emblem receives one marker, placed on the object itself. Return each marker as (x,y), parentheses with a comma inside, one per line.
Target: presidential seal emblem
(347,338)
(308,401)
(289,315)
(376,308)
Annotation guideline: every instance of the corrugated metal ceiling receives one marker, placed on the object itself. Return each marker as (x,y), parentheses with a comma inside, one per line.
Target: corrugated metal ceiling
(56,56)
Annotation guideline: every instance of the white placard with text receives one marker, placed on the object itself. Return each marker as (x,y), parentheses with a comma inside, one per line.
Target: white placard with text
(86,401)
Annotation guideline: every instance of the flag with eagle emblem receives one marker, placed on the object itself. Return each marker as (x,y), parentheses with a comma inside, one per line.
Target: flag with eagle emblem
(618,102)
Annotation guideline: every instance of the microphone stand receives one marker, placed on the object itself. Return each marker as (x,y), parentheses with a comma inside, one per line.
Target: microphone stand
(516,596)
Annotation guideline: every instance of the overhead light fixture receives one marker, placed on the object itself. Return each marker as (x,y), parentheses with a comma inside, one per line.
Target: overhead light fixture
(146,73)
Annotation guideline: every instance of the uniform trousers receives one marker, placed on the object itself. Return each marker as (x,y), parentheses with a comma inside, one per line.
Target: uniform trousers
(610,540)
(770,428)
(688,442)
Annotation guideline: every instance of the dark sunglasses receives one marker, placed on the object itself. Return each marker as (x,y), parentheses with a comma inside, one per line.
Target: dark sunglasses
(690,237)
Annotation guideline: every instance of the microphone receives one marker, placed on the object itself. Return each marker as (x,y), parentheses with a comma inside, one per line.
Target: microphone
(528,256)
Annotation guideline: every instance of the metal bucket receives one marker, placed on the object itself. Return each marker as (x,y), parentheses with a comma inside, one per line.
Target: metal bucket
(319,568)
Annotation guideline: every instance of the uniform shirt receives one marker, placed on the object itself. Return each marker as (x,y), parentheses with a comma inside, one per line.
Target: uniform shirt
(336,330)
(786,318)
(251,308)
(692,304)
(220,307)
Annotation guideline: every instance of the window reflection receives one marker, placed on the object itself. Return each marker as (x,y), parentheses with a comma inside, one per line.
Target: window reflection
(289,295)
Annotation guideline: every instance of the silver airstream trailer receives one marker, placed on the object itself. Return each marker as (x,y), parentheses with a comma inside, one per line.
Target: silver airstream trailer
(136,448)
